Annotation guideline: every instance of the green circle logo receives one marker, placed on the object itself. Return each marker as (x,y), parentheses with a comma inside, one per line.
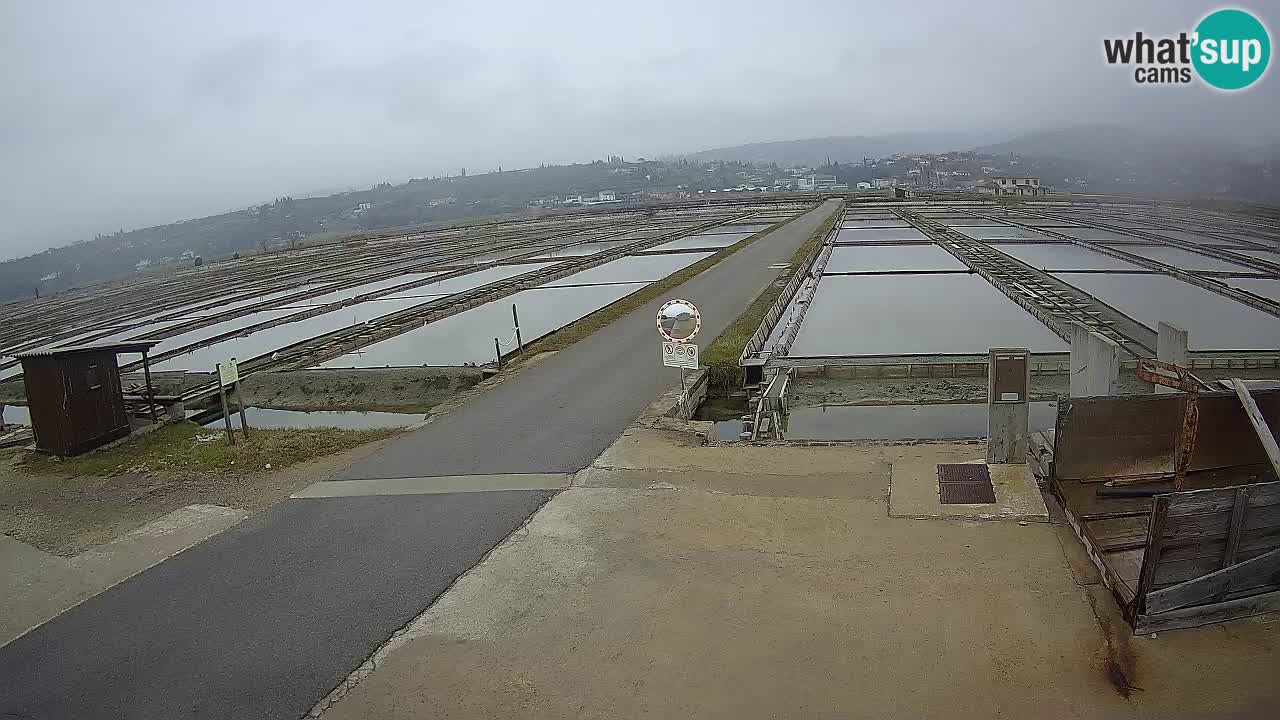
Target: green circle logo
(1232,49)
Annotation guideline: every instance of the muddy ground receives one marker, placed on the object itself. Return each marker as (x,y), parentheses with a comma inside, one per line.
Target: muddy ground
(814,392)
(65,513)
(387,389)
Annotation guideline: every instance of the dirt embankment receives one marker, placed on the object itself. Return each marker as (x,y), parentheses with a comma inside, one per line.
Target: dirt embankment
(391,389)
(818,391)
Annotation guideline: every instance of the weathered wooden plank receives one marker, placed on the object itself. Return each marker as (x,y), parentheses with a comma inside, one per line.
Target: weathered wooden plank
(1261,570)
(1126,565)
(1215,500)
(1121,533)
(1236,527)
(1259,423)
(1110,437)
(1172,572)
(1155,538)
(1120,588)
(1250,540)
(1198,615)
(1206,526)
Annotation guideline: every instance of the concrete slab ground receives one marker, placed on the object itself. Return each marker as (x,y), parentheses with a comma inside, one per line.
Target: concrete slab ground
(38,586)
(726,587)
(913,491)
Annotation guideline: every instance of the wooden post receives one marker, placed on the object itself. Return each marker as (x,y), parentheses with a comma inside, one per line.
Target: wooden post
(226,413)
(151,395)
(516,319)
(1259,424)
(497,351)
(244,422)
(1151,556)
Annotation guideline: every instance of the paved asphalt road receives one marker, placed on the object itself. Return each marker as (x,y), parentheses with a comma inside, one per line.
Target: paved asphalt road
(559,415)
(261,621)
(265,619)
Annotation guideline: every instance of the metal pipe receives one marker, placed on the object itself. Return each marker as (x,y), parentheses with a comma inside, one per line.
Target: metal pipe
(515,317)
(151,396)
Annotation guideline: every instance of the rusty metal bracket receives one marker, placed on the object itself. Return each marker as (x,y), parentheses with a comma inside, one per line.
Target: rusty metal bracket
(1170,375)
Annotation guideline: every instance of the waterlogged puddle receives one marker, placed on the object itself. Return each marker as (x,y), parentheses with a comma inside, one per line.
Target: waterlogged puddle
(871,258)
(1063,256)
(1214,322)
(880,235)
(902,422)
(988,232)
(16,415)
(709,240)
(637,268)
(916,314)
(267,418)
(468,336)
(1186,260)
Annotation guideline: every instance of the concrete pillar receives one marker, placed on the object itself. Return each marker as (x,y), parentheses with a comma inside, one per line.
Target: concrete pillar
(1095,364)
(1171,346)
(1103,372)
(1008,393)
(1079,359)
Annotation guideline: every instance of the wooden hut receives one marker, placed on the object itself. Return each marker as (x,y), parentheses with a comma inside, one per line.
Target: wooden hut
(75,398)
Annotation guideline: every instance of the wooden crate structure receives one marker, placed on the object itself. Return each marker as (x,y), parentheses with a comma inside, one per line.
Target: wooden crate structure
(1173,559)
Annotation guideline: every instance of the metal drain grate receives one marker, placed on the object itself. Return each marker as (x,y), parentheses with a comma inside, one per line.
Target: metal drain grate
(965,484)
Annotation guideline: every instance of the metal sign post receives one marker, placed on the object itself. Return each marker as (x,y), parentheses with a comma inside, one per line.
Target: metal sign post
(229,376)
(515,318)
(678,322)
(226,412)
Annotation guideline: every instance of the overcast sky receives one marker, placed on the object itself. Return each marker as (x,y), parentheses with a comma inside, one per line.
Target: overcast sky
(126,114)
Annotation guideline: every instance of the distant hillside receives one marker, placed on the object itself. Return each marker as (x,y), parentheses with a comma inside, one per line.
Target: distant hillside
(842,149)
(1109,142)
(288,220)
(1145,162)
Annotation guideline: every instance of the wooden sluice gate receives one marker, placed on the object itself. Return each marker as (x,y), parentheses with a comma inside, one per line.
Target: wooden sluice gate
(1182,521)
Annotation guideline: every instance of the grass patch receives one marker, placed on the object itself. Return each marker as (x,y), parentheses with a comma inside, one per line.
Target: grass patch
(575,331)
(185,448)
(722,355)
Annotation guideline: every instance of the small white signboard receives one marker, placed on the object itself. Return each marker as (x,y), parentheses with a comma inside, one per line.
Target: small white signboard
(229,372)
(680,355)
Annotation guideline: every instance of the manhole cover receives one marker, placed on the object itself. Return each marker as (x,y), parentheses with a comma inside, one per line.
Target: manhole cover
(965,484)
(964,472)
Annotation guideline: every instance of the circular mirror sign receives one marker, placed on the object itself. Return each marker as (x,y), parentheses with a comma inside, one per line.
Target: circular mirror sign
(678,320)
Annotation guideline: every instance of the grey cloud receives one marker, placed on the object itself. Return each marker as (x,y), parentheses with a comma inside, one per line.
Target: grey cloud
(127,114)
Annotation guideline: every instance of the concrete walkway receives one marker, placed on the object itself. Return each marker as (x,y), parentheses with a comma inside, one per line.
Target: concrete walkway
(679,581)
(266,619)
(38,586)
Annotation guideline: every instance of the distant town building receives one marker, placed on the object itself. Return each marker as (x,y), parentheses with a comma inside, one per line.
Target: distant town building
(1004,185)
(882,183)
(363,207)
(864,186)
(815,182)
